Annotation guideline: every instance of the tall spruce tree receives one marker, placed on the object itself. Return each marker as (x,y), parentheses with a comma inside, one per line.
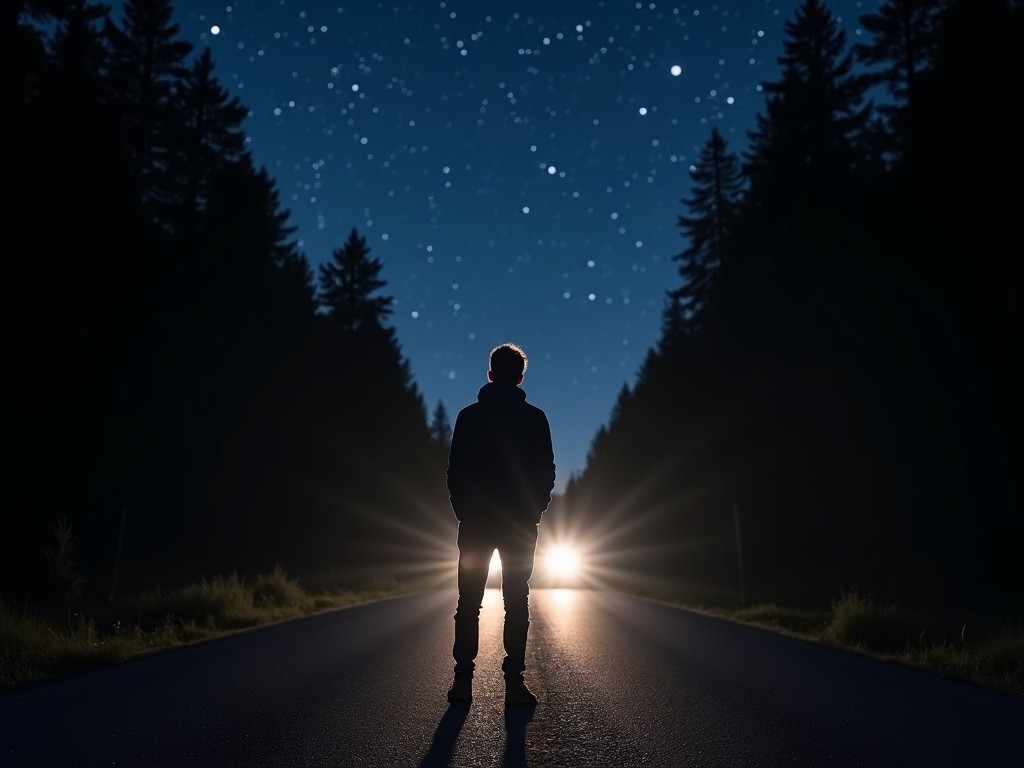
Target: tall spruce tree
(807,142)
(79,51)
(348,284)
(207,135)
(904,37)
(440,426)
(904,40)
(712,208)
(147,61)
(674,324)
(806,168)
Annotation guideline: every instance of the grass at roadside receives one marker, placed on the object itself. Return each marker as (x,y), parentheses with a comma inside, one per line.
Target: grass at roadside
(989,654)
(34,648)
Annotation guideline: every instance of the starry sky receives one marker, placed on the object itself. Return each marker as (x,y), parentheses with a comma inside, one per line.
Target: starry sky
(517,167)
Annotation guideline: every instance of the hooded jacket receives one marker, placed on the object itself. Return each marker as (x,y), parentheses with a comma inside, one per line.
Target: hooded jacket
(501,467)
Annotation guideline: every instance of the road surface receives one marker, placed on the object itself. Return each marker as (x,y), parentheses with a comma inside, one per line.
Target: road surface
(622,682)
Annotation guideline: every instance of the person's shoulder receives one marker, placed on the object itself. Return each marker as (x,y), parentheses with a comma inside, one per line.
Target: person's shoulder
(468,410)
(535,410)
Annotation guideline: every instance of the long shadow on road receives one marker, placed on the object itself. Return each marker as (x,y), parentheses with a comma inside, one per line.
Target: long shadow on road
(442,747)
(516,720)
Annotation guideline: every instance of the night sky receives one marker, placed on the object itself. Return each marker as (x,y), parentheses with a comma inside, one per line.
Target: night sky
(517,167)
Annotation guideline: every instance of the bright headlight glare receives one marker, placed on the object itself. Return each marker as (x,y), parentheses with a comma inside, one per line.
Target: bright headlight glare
(563,561)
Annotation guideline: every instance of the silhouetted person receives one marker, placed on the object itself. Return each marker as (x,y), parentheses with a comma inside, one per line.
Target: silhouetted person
(501,472)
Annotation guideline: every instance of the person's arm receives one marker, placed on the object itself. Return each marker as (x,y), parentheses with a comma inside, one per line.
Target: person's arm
(545,465)
(456,465)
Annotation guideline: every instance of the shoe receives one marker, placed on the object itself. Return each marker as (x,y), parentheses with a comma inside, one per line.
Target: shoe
(462,688)
(517,694)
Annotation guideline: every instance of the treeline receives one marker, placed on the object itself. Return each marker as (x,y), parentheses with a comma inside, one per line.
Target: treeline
(839,369)
(176,377)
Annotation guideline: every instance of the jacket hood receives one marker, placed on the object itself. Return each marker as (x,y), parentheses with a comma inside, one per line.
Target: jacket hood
(498,392)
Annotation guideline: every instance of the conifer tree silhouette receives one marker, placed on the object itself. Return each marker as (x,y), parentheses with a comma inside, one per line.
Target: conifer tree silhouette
(147,60)
(904,37)
(440,426)
(708,224)
(806,140)
(348,282)
(904,40)
(207,135)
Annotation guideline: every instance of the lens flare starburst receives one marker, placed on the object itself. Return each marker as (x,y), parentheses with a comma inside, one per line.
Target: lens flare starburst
(563,562)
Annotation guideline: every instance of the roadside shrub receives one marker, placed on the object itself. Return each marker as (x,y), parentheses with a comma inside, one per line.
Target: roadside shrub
(36,648)
(222,601)
(278,589)
(860,621)
(20,633)
(1000,658)
(32,648)
(65,580)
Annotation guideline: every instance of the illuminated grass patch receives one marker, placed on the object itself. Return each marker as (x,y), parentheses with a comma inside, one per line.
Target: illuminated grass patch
(859,622)
(35,648)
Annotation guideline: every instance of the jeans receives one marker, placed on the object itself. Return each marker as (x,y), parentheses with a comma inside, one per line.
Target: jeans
(516,547)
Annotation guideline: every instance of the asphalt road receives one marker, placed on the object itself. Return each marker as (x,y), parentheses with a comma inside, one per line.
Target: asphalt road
(622,682)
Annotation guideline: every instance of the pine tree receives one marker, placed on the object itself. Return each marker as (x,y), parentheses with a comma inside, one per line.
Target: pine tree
(440,427)
(674,324)
(807,141)
(82,129)
(79,52)
(904,41)
(621,407)
(712,210)
(807,183)
(348,283)
(147,61)
(208,135)
(244,208)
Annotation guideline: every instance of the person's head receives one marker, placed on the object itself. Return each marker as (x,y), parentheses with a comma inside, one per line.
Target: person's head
(508,364)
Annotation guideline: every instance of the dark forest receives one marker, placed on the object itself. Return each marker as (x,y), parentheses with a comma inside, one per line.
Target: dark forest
(172,364)
(839,365)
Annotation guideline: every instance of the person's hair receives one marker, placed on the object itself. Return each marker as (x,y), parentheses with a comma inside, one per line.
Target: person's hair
(508,362)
